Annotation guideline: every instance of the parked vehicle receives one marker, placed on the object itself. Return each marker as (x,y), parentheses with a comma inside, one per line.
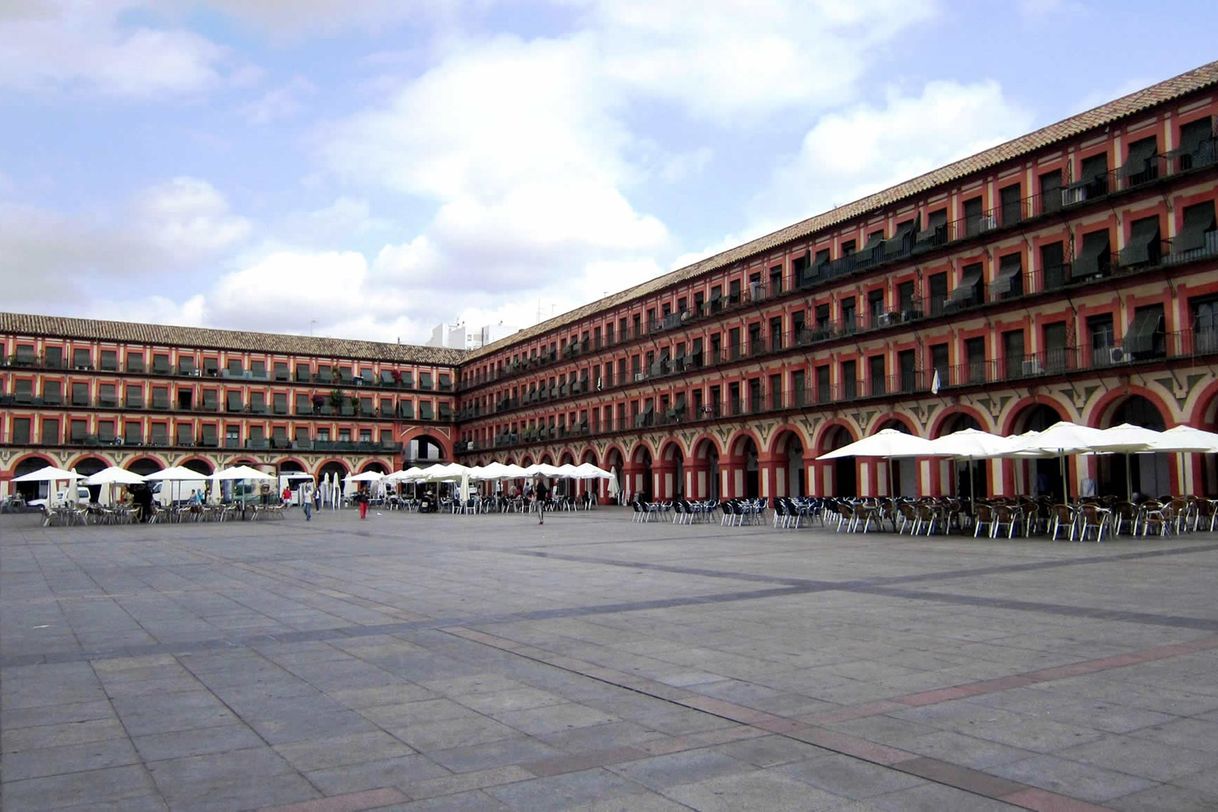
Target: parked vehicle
(62,496)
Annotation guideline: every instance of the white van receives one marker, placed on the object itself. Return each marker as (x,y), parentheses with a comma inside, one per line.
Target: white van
(61,497)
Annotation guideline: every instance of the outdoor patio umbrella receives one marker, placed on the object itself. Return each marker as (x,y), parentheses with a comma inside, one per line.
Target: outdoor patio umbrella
(1127,439)
(50,474)
(1058,440)
(971,445)
(366,476)
(175,474)
(886,444)
(114,475)
(1187,438)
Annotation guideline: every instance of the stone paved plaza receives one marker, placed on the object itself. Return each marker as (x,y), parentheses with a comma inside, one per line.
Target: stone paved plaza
(444,662)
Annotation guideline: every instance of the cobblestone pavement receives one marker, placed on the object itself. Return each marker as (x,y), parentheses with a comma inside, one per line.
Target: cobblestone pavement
(482,662)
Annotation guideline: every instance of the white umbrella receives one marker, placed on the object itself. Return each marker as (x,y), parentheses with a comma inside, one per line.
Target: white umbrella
(1187,438)
(175,474)
(50,474)
(587,470)
(240,472)
(366,476)
(888,443)
(971,445)
(614,488)
(1127,439)
(1058,440)
(452,471)
(291,475)
(542,469)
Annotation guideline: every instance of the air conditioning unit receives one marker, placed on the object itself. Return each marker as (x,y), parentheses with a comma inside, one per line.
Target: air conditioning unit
(469,446)
(1116,355)
(1031,366)
(886,319)
(639,377)
(987,223)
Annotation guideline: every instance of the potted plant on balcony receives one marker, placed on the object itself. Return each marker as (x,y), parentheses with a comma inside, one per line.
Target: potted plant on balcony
(336,399)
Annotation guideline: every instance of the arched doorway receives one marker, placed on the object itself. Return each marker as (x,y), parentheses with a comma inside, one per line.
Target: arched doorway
(672,472)
(1041,476)
(964,478)
(897,477)
(615,465)
(706,470)
(642,484)
(747,475)
(1145,474)
(423,449)
(144,466)
(843,471)
(202,466)
(88,467)
(30,490)
(789,471)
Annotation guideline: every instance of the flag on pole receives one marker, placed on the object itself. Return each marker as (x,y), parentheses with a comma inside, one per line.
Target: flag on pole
(934,382)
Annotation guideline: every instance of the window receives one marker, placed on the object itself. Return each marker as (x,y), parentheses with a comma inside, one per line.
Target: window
(82,358)
(974,355)
(425,380)
(186,434)
(53,357)
(1196,144)
(1009,281)
(209,435)
(258,369)
(1142,163)
(133,432)
(281,370)
(1143,245)
(1013,355)
(849,380)
(1101,335)
(23,391)
(160,397)
(235,368)
(1196,237)
(135,361)
(280,401)
(1010,203)
(80,394)
(109,360)
(907,369)
(160,363)
(1051,191)
(232,436)
(1094,259)
(52,392)
(824,392)
(303,371)
(50,432)
(968,292)
(186,365)
(77,430)
(1145,338)
(107,395)
(1204,313)
(937,287)
(1055,350)
(1053,267)
(876,372)
(21,431)
(159,434)
(972,217)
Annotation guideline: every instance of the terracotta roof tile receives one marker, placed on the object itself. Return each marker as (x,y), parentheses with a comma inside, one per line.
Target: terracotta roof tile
(1132,104)
(166,335)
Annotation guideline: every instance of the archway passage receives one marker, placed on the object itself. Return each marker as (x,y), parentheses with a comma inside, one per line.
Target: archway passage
(747,478)
(706,470)
(291,467)
(423,449)
(374,466)
(1127,475)
(790,474)
(615,465)
(672,472)
(88,467)
(844,473)
(30,490)
(1042,476)
(897,477)
(967,478)
(202,466)
(642,484)
(144,466)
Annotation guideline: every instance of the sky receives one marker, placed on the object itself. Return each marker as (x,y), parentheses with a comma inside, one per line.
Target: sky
(372,168)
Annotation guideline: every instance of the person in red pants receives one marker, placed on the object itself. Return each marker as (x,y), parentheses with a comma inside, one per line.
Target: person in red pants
(362,499)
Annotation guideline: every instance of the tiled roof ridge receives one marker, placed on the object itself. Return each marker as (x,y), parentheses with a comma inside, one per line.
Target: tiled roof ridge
(208,337)
(1099,116)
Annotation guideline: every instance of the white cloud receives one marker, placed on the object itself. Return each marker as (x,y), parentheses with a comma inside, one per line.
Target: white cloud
(66,45)
(294,18)
(735,59)
(866,148)
(188,218)
(280,102)
(517,146)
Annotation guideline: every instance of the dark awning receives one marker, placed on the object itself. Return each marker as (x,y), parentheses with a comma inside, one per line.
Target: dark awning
(680,404)
(968,285)
(1142,236)
(1197,220)
(1089,259)
(902,239)
(1139,153)
(1009,267)
(1140,337)
(1194,134)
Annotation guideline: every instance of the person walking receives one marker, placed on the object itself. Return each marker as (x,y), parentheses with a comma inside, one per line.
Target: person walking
(362,499)
(306,503)
(540,493)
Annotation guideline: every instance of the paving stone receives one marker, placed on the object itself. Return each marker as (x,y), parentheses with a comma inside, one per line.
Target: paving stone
(195,742)
(772,790)
(847,777)
(489,755)
(386,772)
(562,792)
(68,758)
(323,752)
(680,768)
(1072,778)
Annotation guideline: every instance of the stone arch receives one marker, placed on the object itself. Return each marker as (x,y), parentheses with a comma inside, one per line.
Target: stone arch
(671,473)
(1126,474)
(895,477)
(964,478)
(744,465)
(640,476)
(374,465)
(837,477)
(1042,475)
(788,454)
(421,445)
(146,465)
(290,465)
(705,474)
(202,465)
(27,465)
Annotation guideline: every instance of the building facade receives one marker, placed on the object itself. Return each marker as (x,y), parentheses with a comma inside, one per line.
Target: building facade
(1070,274)
(87,394)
